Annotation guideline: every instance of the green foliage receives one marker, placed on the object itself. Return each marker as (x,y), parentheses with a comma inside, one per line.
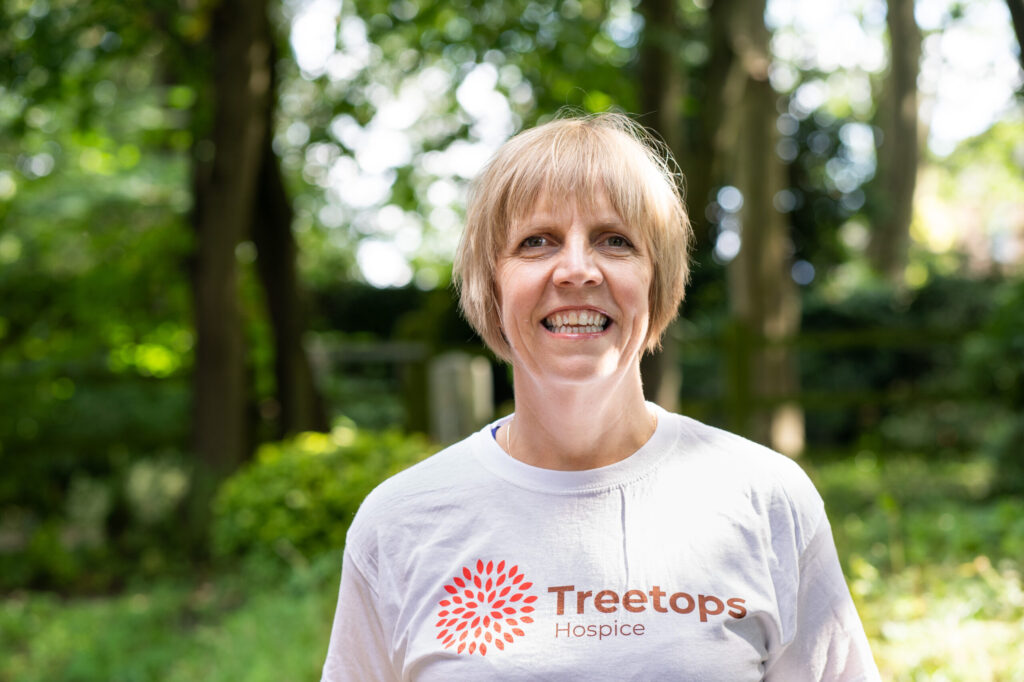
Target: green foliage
(936,532)
(816,205)
(938,406)
(95,339)
(933,564)
(896,511)
(882,368)
(990,161)
(235,627)
(994,359)
(104,528)
(298,498)
(957,623)
(944,376)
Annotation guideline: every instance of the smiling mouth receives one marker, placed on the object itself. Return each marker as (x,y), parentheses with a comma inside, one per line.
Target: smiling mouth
(576,322)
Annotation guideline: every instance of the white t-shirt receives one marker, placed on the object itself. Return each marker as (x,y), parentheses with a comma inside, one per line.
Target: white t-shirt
(702,556)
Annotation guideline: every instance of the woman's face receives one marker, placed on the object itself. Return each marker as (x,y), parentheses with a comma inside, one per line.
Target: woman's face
(572,286)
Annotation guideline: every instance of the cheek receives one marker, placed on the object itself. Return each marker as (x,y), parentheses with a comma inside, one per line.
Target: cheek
(641,295)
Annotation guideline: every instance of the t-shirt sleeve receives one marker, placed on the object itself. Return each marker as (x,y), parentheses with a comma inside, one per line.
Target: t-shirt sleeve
(358,650)
(829,642)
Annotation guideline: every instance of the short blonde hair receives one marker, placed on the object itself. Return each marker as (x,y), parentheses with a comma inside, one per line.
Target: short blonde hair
(575,157)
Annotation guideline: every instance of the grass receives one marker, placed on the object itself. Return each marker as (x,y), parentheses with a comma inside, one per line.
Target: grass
(944,623)
(935,570)
(934,566)
(233,627)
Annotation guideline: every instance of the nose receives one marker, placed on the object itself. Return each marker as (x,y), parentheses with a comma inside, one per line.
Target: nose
(577,265)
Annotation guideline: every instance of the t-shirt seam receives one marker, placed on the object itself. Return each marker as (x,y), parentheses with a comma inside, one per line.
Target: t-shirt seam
(353,555)
(817,519)
(818,528)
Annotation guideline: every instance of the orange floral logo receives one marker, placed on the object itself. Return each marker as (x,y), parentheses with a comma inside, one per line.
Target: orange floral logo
(486,607)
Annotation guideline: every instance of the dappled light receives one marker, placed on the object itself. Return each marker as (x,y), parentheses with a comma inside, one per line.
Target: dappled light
(227,310)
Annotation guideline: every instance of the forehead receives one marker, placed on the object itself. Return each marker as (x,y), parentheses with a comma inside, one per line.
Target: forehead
(594,208)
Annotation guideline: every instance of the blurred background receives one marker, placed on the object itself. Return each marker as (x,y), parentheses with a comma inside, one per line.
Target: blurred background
(226,232)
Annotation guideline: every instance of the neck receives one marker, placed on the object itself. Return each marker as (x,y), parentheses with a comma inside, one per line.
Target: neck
(578,426)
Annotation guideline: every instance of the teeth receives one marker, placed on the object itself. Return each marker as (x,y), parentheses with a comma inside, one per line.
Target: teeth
(576,322)
(576,329)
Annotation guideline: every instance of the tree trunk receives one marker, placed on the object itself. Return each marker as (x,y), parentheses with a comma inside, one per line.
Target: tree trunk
(225,193)
(299,402)
(690,132)
(1017,17)
(704,163)
(898,154)
(661,78)
(763,297)
(661,93)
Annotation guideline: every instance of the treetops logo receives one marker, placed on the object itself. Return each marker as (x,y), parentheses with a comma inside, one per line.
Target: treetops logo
(485,607)
(491,607)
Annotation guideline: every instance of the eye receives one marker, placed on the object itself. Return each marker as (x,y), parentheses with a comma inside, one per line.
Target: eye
(618,241)
(535,241)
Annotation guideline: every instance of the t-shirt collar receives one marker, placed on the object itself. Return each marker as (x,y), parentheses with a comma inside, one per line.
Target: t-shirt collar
(493,458)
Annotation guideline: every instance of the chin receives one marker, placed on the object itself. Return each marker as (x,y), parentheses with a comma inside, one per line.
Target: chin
(576,371)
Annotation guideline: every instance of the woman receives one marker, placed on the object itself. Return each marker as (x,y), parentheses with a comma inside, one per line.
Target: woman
(591,535)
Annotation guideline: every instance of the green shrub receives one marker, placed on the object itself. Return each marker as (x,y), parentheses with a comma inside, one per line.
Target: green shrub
(105,528)
(297,499)
(994,358)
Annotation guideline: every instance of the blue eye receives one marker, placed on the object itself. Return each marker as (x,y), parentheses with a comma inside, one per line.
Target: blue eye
(535,241)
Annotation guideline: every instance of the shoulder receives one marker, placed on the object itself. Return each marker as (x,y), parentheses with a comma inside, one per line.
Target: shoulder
(440,473)
(743,456)
(416,496)
(769,481)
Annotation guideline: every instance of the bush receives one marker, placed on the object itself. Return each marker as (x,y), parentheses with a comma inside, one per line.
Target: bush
(994,358)
(895,356)
(105,529)
(297,499)
(909,510)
